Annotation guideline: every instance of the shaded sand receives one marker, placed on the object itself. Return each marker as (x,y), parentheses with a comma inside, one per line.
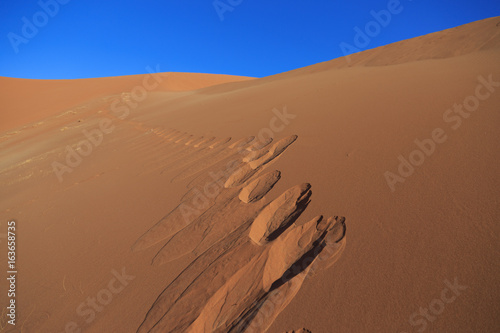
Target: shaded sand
(226,204)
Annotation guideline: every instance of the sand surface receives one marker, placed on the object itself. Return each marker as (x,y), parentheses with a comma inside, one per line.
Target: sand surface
(181,202)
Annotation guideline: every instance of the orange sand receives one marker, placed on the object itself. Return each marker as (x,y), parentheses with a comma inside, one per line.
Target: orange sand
(128,223)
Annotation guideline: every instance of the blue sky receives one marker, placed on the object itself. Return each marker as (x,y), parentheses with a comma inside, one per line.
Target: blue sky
(90,38)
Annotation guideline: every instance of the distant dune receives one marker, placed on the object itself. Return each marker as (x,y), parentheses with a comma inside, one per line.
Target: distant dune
(355,195)
(50,97)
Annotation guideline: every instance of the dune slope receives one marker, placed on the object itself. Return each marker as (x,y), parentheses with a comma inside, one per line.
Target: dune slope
(29,101)
(339,197)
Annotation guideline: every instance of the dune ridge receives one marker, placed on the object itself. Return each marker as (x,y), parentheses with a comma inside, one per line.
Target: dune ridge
(228,207)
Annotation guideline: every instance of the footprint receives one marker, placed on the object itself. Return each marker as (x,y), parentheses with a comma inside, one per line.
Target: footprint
(191,156)
(225,216)
(233,308)
(247,170)
(192,205)
(278,148)
(170,156)
(280,213)
(259,187)
(188,225)
(232,282)
(248,254)
(200,162)
(289,248)
(303,244)
(197,201)
(241,175)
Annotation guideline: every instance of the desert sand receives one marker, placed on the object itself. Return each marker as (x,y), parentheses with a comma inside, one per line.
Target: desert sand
(347,196)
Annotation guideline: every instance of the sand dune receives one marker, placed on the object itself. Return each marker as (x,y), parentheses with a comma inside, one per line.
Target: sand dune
(51,97)
(340,197)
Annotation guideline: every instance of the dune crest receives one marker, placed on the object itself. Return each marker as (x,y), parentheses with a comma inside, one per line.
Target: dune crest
(148,197)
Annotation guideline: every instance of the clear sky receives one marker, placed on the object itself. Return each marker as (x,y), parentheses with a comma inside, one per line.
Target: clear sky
(65,39)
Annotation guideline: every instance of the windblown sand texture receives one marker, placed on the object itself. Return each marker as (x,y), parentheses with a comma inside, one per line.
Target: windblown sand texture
(233,204)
